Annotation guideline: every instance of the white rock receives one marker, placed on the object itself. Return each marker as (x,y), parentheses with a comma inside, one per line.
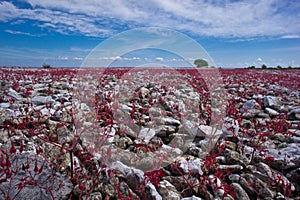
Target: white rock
(191,198)
(230,126)
(146,134)
(39,107)
(84,107)
(13,93)
(167,190)
(4,105)
(125,170)
(191,165)
(111,135)
(259,96)
(57,105)
(271,112)
(166,148)
(210,131)
(153,191)
(144,91)
(171,121)
(39,85)
(44,111)
(14,113)
(294,112)
(125,108)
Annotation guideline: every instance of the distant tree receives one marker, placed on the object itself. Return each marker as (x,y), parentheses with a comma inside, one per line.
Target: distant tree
(251,67)
(264,66)
(46,66)
(290,67)
(279,67)
(201,63)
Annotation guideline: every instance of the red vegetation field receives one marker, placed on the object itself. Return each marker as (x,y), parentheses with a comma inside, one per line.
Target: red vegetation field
(149,134)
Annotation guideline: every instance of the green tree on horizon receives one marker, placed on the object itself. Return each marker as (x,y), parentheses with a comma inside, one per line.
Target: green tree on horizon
(201,63)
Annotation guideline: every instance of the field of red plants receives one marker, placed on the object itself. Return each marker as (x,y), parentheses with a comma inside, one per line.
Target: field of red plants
(123,133)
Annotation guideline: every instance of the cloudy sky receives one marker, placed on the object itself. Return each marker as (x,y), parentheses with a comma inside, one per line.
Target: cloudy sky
(234,33)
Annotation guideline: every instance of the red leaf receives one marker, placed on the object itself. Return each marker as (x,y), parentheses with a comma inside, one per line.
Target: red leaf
(41,169)
(13,149)
(21,147)
(81,186)
(36,169)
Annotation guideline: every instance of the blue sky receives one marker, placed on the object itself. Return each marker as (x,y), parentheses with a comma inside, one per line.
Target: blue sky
(234,33)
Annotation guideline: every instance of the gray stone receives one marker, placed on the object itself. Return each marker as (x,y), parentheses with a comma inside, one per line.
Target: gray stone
(216,185)
(234,177)
(124,142)
(294,114)
(5,114)
(251,113)
(182,184)
(194,150)
(254,186)
(39,100)
(277,88)
(60,186)
(265,169)
(240,193)
(170,121)
(247,123)
(286,157)
(249,105)
(168,191)
(233,157)
(94,196)
(108,190)
(231,168)
(270,176)
(294,176)
(192,129)
(155,111)
(272,102)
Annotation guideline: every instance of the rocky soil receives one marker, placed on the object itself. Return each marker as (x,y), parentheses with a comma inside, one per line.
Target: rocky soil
(149,134)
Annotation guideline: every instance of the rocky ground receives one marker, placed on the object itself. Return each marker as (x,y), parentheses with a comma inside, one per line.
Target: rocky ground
(149,134)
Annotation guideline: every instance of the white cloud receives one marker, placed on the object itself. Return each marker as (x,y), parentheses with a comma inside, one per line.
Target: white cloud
(111,58)
(129,59)
(77,58)
(79,49)
(290,36)
(22,33)
(160,59)
(102,18)
(63,58)
(259,60)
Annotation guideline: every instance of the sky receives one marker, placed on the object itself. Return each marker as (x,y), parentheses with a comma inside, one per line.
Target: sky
(233,33)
